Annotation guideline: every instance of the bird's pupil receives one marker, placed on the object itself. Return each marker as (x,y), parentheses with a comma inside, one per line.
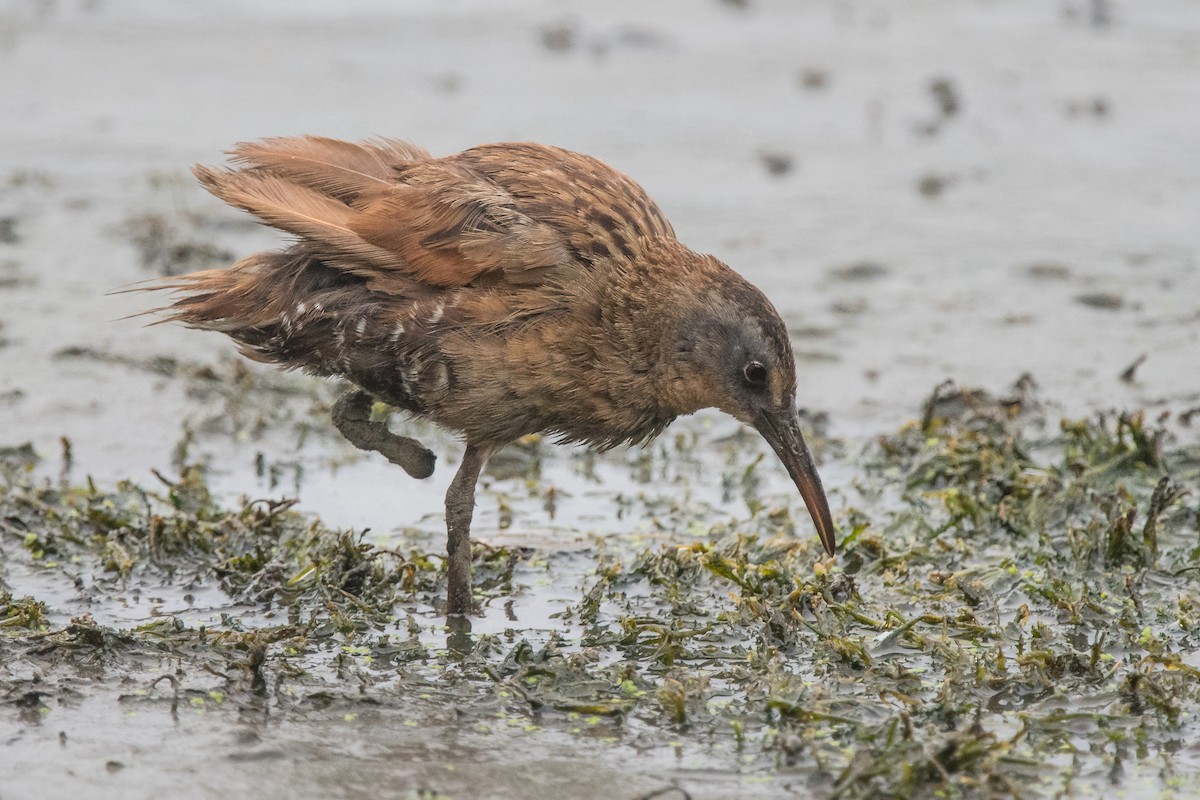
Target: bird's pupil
(756,373)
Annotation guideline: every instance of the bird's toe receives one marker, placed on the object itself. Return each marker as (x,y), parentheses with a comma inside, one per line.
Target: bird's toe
(409,454)
(351,415)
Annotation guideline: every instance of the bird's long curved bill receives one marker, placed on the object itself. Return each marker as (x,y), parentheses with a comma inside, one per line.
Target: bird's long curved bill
(782,431)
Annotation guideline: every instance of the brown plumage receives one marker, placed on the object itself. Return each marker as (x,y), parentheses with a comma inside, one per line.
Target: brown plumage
(506,290)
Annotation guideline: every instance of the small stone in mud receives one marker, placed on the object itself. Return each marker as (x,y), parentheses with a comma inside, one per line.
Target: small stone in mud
(855,306)
(810,332)
(777,163)
(166,366)
(946,96)
(642,37)
(1101,13)
(1096,107)
(11,277)
(1097,13)
(449,82)
(192,257)
(932,185)
(248,738)
(150,233)
(1048,271)
(817,356)
(164,251)
(8,230)
(22,178)
(1128,375)
(1102,300)
(1018,319)
(813,79)
(859,271)
(559,37)
(273,754)
(114,766)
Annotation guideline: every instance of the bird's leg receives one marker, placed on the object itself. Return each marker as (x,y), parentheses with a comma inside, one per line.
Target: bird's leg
(458,636)
(352,416)
(460,505)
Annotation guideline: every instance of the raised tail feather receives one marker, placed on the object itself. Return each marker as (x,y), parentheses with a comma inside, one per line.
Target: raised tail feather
(379,223)
(283,308)
(242,296)
(308,185)
(388,212)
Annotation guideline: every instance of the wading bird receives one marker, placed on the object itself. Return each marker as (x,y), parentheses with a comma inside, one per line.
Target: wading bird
(506,290)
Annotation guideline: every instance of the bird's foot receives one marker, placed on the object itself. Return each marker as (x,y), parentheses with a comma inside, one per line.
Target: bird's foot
(352,416)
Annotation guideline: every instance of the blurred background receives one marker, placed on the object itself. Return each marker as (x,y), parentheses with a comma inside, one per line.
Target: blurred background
(927,190)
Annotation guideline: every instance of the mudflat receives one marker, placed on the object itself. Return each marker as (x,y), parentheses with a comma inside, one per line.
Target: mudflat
(204,591)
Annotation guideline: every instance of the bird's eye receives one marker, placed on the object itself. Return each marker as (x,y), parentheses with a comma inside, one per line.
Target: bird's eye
(755,374)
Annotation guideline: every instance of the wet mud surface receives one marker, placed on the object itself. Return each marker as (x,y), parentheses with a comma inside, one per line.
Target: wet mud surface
(204,592)
(1013,613)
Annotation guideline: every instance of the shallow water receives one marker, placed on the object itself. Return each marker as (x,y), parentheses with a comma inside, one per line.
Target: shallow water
(1035,212)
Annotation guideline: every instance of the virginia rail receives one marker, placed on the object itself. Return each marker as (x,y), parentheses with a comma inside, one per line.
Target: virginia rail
(506,290)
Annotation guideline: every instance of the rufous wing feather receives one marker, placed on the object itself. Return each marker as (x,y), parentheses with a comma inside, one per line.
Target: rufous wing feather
(322,221)
(449,226)
(342,170)
(388,212)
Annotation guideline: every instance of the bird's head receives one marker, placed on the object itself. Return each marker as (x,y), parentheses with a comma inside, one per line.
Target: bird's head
(732,352)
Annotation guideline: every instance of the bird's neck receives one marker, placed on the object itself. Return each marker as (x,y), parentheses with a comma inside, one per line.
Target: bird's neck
(656,303)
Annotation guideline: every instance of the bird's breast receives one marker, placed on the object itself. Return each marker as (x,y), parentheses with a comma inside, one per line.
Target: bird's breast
(555,374)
